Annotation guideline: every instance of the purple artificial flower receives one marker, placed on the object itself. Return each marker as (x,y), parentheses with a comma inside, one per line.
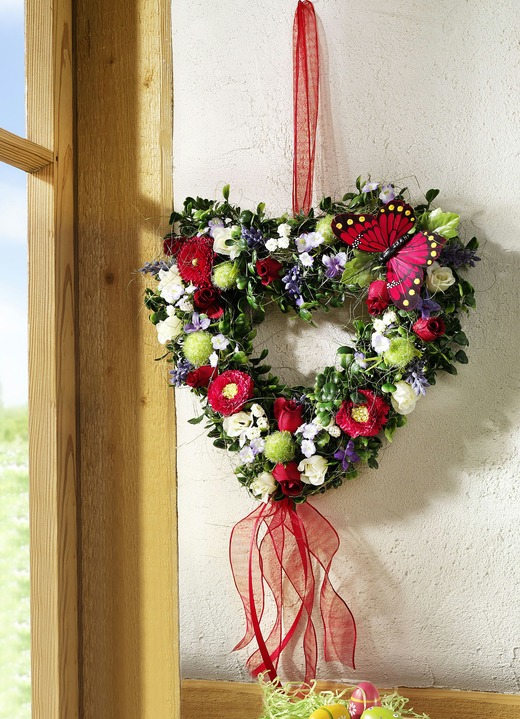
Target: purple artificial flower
(292,282)
(370,186)
(426,306)
(387,194)
(335,264)
(179,374)
(347,456)
(215,222)
(257,445)
(308,241)
(359,358)
(153,268)
(458,256)
(254,238)
(198,322)
(416,377)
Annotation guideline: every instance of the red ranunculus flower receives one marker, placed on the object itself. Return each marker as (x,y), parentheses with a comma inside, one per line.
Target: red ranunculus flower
(378,298)
(268,270)
(288,478)
(288,414)
(201,376)
(363,420)
(229,392)
(428,330)
(195,260)
(207,300)
(172,244)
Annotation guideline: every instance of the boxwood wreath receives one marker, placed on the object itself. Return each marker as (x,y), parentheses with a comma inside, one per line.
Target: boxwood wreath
(223,267)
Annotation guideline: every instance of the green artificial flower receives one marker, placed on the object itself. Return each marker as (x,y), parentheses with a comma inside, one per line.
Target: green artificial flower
(323,226)
(197,348)
(225,275)
(280,447)
(401,352)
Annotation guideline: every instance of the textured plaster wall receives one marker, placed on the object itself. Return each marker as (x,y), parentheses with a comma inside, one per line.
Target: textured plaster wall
(426,91)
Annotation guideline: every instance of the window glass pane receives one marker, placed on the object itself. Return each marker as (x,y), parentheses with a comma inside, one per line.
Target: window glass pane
(15,665)
(12,66)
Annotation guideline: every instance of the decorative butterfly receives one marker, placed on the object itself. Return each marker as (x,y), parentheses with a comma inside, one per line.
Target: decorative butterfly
(405,254)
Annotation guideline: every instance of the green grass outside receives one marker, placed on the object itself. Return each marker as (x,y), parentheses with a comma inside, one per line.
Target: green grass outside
(15,659)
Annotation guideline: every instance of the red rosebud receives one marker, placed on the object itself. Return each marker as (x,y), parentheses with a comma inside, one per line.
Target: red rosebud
(288,414)
(268,270)
(201,376)
(207,300)
(229,392)
(195,260)
(288,477)
(172,244)
(378,298)
(429,329)
(363,420)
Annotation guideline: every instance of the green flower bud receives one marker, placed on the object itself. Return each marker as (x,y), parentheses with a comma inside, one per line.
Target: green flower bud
(197,348)
(401,352)
(280,447)
(323,227)
(225,275)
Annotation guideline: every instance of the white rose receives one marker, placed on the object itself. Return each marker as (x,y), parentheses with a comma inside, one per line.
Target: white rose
(334,430)
(389,318)
(271,244)
(313,470)
(262,423)
(379,325)
(404,398)
(283,243)
(257,410)
(253,432)
(380,343)
(220,236)
(284,230)
(169,328)
(171,287)
(263,485)
(237,423)
(438,278)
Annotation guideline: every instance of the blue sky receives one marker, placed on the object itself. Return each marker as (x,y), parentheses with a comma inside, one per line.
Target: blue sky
(13,213)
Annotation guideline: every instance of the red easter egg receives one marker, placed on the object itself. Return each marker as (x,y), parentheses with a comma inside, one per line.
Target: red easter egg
(364,696)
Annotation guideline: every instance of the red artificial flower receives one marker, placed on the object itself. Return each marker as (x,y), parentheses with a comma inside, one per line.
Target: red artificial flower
(429,329)
(201,376)
(288,414)
(195,260)
(172,244)
(229,392)
(288,477)
(207,300)
(378,298)
(363,420)
(268,270)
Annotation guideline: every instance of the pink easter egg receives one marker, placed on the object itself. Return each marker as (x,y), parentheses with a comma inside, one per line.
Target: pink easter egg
(364,696)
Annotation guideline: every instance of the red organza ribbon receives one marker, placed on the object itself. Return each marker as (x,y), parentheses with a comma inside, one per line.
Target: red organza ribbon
(274,547)
(305,98)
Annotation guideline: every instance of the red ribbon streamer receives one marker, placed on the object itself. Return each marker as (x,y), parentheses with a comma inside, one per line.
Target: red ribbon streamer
(275,546)
(306,74)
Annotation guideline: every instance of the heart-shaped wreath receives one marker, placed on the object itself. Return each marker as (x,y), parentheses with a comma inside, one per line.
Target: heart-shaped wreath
(398,265)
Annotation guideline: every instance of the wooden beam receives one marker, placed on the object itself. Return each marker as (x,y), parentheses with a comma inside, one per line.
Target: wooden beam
(52,366)
(22,153)
(234,700)
(129,628)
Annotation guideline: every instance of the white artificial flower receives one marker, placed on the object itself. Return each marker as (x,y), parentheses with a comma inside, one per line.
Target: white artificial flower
(262,423)
(257,410)
(334,430)
(220,236)
(315,238)
(283,243)
(271,244)
(389,318)
(263,485)
(379,325)
(253,432)
(438,278)
(306,259)
(284,230)
(380,343)
(308,431)
(190,289)
(171,286)
(247,455)
(308,447)
(404,398)
(185,304)
(237,423)
(313,470)
(219,342)
(213,359)
(169,328)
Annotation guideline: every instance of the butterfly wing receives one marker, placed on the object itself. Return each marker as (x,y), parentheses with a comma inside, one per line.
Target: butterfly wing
(374,233)
(405,271)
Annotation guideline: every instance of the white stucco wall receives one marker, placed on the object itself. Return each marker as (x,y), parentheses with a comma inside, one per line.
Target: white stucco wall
(430,542)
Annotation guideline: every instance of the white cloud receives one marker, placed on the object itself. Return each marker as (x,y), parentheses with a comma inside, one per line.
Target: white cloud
(13,214)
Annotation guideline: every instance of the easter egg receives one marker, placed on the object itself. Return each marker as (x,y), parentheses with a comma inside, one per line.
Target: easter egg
(379,713)
(331,711)
(364,696)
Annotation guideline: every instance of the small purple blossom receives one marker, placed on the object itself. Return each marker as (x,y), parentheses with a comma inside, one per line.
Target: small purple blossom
(335,264)
(426,306)
(257,445)
(179,374)
(253,237)
(153,268)
(387,194)
(308,431)
(347,456)
(247,455)
(198,322)
(308,241)
(292,282)
(416,377)
(458,256)
(370,186)
(215,222)
(359,357)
